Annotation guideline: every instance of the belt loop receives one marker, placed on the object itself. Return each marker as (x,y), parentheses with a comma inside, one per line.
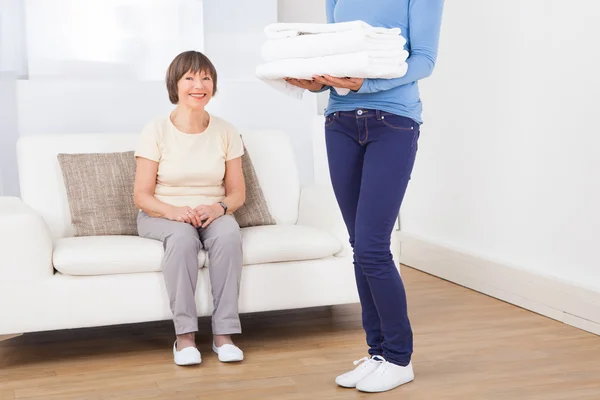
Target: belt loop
(378,114)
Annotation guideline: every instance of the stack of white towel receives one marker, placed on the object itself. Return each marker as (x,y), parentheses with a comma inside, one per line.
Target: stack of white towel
(348,49)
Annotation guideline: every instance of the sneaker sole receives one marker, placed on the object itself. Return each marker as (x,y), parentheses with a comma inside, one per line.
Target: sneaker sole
(345,386)
(385,390)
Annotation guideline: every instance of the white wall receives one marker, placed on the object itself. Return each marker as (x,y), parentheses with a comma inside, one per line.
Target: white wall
(508,166)
(234,35)
(302,11)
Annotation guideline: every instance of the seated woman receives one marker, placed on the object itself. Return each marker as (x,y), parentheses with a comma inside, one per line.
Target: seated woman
(188,182)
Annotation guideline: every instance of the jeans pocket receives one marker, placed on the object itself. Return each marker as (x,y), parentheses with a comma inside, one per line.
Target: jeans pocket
(330,119)
(397,122)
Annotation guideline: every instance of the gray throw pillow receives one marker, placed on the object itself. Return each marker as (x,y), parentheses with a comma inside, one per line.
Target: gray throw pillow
(100,192)
(255,211)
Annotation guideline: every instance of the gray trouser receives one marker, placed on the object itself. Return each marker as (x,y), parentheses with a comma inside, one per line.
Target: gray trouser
(182,242)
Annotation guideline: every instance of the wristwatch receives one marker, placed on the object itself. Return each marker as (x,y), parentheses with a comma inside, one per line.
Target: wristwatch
(224,207)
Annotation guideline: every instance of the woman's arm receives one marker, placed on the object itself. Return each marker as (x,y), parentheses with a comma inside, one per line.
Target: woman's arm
(424,20)
(143,190)
(329,9)
(235,186)
(235,193)
(143,195)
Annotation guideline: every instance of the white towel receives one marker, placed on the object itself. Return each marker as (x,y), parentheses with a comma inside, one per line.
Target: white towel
(325,44)
(348,49)
(284,30)
(364,64)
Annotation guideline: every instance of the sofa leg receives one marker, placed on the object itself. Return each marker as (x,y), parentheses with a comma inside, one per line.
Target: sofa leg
(7,337)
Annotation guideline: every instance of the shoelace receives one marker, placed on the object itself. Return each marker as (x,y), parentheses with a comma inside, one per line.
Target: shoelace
(365,359)
(382,368)
(361,360)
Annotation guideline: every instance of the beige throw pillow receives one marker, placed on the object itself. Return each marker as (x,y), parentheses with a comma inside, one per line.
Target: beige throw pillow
(100,192)
(255,211)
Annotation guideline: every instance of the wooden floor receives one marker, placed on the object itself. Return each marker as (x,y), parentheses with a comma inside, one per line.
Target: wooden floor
(467,346)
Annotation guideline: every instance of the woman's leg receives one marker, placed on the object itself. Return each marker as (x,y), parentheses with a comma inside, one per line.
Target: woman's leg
(389,157)
(345,154)
(180,269)
(223,241)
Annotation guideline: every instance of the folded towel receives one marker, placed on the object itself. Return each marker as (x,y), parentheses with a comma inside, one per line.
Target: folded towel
(364,64)
(326,44)
(284,30)
(348,49)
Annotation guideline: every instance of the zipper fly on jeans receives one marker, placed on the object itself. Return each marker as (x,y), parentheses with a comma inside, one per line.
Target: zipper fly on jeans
(362,127)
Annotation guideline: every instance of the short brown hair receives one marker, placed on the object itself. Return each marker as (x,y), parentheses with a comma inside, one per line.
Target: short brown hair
(193,61)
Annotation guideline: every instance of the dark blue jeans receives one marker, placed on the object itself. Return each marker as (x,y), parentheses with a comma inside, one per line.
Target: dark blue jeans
(371,155)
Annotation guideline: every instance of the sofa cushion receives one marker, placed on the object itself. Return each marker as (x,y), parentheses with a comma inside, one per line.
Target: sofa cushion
(107,255)
(280,243)
(100,192)
(255,211)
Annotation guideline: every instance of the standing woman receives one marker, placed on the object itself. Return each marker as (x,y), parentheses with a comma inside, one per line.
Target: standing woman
(371,135)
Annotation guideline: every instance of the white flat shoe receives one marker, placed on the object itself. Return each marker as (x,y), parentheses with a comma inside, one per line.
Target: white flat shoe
(366,367)
(187,356)
(228,353)
(386,377)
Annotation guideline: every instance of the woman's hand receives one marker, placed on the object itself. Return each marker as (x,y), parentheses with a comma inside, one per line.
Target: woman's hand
(208,214)
(184,214)
(305,84)
(343,83)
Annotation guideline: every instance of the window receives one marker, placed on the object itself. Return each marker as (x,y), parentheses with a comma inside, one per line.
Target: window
(109,39)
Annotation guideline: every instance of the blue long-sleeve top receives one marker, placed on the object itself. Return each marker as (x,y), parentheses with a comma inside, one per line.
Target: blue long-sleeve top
(420,22)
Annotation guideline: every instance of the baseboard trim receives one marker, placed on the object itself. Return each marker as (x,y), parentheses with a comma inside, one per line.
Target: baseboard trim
(563,301)
(7,337)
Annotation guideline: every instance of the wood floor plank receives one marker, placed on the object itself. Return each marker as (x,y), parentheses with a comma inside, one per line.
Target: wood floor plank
(467,346)
(7,394)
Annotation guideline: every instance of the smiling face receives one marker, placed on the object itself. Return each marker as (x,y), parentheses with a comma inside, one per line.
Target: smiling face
(195,90)
(191,80)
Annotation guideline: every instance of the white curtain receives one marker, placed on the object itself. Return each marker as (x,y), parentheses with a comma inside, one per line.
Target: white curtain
(12,37)
(109,39)
(13,65)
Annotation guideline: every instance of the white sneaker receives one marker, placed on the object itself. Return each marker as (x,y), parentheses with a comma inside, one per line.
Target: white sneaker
(187,356)
(367,366)
(386,377)
(228,353)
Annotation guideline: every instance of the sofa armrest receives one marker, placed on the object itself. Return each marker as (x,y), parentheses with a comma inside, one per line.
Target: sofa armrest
(25,243)
(319,209)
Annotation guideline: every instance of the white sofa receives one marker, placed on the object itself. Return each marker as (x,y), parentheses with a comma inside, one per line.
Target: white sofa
(51,280)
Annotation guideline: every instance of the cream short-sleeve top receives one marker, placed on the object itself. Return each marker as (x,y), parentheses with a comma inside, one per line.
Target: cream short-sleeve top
(191,167)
